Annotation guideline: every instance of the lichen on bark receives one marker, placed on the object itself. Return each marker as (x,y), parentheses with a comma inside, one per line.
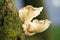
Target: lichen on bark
(10,23)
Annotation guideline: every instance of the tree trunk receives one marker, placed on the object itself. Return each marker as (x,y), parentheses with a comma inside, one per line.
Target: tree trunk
(10,23)
(38,3)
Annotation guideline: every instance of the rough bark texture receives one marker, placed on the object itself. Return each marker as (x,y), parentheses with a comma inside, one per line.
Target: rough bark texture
(38,3)
(10,23)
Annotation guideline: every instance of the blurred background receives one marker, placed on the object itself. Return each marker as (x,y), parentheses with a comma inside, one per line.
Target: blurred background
(51,11)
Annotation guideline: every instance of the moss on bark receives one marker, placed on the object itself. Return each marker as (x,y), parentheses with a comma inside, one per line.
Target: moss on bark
(10,23)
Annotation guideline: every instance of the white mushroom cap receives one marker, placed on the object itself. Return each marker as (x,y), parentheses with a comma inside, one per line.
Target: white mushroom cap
(36,26)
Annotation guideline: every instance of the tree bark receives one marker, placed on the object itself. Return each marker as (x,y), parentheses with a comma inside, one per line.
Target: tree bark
(10,23)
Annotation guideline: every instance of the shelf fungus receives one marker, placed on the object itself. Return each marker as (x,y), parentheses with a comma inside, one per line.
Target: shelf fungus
(32,27)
